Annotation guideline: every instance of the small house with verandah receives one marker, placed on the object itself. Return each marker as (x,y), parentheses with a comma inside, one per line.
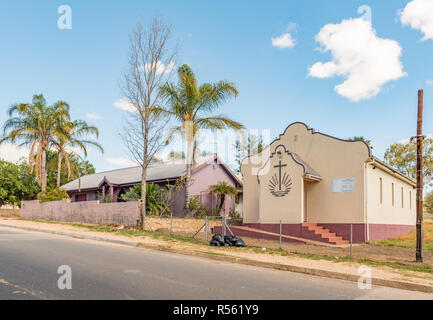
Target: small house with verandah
(209,170)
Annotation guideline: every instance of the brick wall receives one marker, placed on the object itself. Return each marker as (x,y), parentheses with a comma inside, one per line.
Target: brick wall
(101,213)
(180,225)
(87,212)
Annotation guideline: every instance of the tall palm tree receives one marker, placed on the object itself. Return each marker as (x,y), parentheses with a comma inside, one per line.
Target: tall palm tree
(193,106)
(35,124)
(68,144)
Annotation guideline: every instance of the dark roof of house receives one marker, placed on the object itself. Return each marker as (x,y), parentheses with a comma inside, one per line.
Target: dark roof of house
(130,176)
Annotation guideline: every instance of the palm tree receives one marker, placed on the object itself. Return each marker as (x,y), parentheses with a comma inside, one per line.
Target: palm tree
(35,124)
(222,189)
(192,105)
(66,143)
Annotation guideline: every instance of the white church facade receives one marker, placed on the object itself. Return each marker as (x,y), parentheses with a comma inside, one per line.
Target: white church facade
(318,185)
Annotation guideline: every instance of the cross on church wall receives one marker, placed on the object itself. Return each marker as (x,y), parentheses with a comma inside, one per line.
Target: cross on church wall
(280,166)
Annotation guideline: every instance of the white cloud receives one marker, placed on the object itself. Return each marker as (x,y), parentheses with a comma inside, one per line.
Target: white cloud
(367,61)
(93,116)
(418,14)
(13,153)
(285,41)
(429,82)
(160,67)
(121,162)
(124,105)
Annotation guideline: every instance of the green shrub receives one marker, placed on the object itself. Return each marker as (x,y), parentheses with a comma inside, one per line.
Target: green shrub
(196,207)
(101,199)
(234,214)
(155,198)
(53,195)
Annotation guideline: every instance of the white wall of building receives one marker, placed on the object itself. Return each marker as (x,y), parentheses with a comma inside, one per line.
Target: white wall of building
(381,209)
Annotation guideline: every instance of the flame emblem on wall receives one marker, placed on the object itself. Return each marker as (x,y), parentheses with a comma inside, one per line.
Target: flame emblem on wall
(280,185)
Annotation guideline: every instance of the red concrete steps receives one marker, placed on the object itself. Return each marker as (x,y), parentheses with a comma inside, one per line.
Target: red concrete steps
(324,234)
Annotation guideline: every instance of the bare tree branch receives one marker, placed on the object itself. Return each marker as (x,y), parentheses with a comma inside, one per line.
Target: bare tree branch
(150,63)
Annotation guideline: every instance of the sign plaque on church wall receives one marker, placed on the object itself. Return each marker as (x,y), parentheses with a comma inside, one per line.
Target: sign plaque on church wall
(343,185)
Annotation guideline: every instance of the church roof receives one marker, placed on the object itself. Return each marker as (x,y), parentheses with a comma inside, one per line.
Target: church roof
(308,170)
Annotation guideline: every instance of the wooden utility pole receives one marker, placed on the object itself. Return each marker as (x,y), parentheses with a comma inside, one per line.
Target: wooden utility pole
(419,180)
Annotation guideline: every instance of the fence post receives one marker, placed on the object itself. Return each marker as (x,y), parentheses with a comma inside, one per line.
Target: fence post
(211,202)
(171,224)
(281,231)
(207,228)
(351,238)
(224,226)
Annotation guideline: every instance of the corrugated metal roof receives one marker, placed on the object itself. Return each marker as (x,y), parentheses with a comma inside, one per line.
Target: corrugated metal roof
(160,171)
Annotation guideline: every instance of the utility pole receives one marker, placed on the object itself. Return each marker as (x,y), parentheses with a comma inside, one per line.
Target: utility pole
(419,180)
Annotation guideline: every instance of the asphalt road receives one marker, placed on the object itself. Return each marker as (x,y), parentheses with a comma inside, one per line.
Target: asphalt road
(29,262)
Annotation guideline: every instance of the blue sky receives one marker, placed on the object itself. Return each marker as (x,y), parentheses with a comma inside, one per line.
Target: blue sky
(220,40)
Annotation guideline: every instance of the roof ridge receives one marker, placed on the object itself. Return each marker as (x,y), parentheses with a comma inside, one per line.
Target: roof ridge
(112,170)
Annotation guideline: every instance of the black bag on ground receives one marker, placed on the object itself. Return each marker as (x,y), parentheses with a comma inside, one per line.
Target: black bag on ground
(217,238)
(230,240)
(227,241)
(239,243)
(214,243)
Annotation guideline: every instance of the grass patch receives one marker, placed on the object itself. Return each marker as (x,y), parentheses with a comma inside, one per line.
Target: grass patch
(425,268)
(408,240)
(124,232)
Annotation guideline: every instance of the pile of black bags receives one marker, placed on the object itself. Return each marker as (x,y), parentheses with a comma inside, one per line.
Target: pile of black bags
(226,241)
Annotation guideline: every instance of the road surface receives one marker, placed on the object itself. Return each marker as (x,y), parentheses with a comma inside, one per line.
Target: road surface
(29,262)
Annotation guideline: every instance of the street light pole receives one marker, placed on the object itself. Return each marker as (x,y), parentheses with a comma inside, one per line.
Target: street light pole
(419,180)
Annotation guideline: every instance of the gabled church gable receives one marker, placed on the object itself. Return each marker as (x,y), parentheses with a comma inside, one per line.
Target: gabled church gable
(280,188)
(331,158)
(277,152)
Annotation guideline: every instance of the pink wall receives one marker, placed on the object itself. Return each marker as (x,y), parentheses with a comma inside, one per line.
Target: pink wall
(208,175)
(205,176)
(385,231)
(86,212)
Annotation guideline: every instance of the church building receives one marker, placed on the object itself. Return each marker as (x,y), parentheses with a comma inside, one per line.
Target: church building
(318,185)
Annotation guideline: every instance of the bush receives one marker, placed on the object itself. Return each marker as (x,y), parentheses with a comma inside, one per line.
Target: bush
(53,195)
(196,207)
(155,198)
(234,214)
(17,183)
